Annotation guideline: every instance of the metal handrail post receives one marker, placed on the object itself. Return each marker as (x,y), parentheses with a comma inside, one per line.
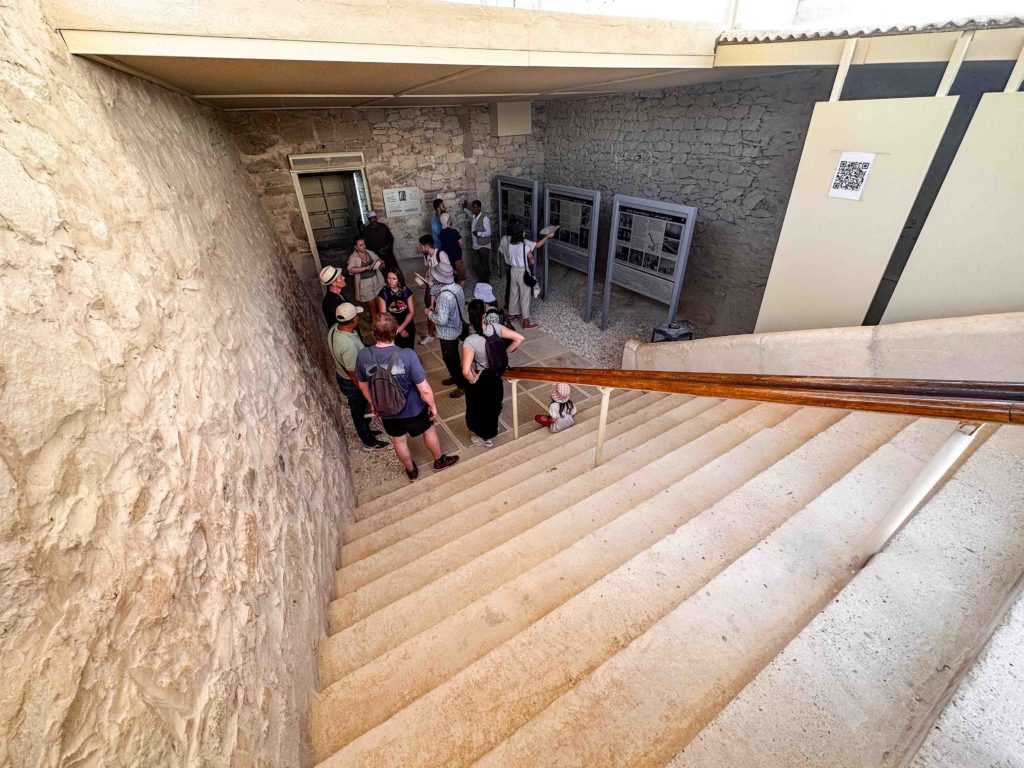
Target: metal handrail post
(515,409)
(602,422)
(927,480)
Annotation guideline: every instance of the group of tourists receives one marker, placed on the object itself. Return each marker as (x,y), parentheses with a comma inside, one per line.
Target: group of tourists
(387,379)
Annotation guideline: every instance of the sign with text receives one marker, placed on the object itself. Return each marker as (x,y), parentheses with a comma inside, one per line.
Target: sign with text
(648,246)
(575,212)
(403,201)
(517,203)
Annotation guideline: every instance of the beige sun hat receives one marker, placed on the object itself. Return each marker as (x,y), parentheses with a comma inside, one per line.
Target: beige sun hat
(329,274)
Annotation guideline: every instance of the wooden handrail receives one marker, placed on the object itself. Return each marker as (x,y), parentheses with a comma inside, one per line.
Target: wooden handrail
(987,401)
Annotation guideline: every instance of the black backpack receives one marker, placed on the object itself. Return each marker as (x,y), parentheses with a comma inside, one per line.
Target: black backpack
(388,398)
(497,352)
(500,318)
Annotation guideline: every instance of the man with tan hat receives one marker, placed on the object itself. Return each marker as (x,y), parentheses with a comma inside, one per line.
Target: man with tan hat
(445,312)
(345,344)
(334,279)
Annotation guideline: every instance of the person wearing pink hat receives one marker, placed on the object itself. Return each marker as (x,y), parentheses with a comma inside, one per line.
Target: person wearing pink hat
(560,411)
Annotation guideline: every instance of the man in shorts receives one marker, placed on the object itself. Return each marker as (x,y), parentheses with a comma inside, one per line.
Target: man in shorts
(416,418)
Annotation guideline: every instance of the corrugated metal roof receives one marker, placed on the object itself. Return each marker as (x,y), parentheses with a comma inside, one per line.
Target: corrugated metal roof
(803,33)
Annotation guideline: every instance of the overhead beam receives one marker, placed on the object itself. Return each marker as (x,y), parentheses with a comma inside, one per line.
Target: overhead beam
(1017,75)
(953,67)
(844,68)
(93,43)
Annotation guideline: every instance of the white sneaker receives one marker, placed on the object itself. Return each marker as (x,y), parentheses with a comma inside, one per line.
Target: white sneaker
(426,339)
(475,440)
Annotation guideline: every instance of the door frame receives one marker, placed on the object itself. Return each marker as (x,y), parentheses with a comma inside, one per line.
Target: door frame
(329,163)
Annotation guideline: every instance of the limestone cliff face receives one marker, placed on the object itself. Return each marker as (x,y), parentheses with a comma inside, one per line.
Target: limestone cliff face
(172,479)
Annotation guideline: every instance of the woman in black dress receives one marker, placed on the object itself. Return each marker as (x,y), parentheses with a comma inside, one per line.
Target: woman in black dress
(395,299)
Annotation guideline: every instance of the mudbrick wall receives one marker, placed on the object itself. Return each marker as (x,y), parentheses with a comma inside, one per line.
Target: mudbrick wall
(447,152)
(731,149)
(172,478)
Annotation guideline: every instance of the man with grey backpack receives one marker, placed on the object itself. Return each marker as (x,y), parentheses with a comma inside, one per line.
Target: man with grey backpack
(393,380)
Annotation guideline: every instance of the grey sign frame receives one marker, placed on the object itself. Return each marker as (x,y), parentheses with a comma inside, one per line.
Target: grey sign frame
(573,256)
(641,280)
(528,185)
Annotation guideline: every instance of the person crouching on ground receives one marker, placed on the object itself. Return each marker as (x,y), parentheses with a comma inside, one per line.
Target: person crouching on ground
(560,411)
(484,390)
(345,345)
(416,416)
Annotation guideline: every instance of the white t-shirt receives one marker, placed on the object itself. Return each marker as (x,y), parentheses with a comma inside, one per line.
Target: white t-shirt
(561,422)
(515,255)
(478,344)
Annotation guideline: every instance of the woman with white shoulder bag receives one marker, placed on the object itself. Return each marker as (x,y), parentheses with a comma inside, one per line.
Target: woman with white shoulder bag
(519,256)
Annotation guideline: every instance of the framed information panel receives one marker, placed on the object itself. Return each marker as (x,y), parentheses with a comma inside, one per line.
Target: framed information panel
(517,201)
(648,245)
(575,212)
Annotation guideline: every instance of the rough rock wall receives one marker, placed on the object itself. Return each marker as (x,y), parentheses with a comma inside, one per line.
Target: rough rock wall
(171,472)
(447,152)
(729,148)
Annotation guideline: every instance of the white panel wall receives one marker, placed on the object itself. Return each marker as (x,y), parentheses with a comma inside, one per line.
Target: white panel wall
(969,259)
(832,252)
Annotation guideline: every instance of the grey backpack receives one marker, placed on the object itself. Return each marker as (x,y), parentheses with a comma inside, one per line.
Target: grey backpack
(388,397)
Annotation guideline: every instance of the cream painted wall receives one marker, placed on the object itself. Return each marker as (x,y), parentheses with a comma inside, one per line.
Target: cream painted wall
(969,258)
(832,252)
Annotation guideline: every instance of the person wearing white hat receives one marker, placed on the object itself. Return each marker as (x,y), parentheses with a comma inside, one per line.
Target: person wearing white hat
(494,315)
(345,344)
(445,312)
(334,279)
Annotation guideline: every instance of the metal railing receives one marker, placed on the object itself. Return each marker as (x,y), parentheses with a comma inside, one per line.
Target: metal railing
(974,404)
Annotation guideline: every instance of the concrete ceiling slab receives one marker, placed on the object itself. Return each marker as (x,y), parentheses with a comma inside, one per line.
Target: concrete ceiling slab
(328,101)
(205,76)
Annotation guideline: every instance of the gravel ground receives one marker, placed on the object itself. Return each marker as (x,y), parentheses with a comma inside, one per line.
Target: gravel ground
(561,319)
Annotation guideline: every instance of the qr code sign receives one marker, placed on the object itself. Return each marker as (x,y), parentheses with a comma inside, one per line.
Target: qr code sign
(851,175)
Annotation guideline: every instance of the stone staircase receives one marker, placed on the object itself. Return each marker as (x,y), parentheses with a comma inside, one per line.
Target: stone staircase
(690,602)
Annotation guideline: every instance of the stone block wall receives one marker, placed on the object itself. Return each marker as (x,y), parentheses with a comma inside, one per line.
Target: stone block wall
(172,479)
(731,149)
(447,152)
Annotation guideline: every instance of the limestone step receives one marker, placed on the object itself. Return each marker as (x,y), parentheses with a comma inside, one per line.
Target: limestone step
(374,500)
(862,683)
(396,622)
(645,703)
(477,470)
(981,725)
(592,625)
(543,493)
(504,484)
